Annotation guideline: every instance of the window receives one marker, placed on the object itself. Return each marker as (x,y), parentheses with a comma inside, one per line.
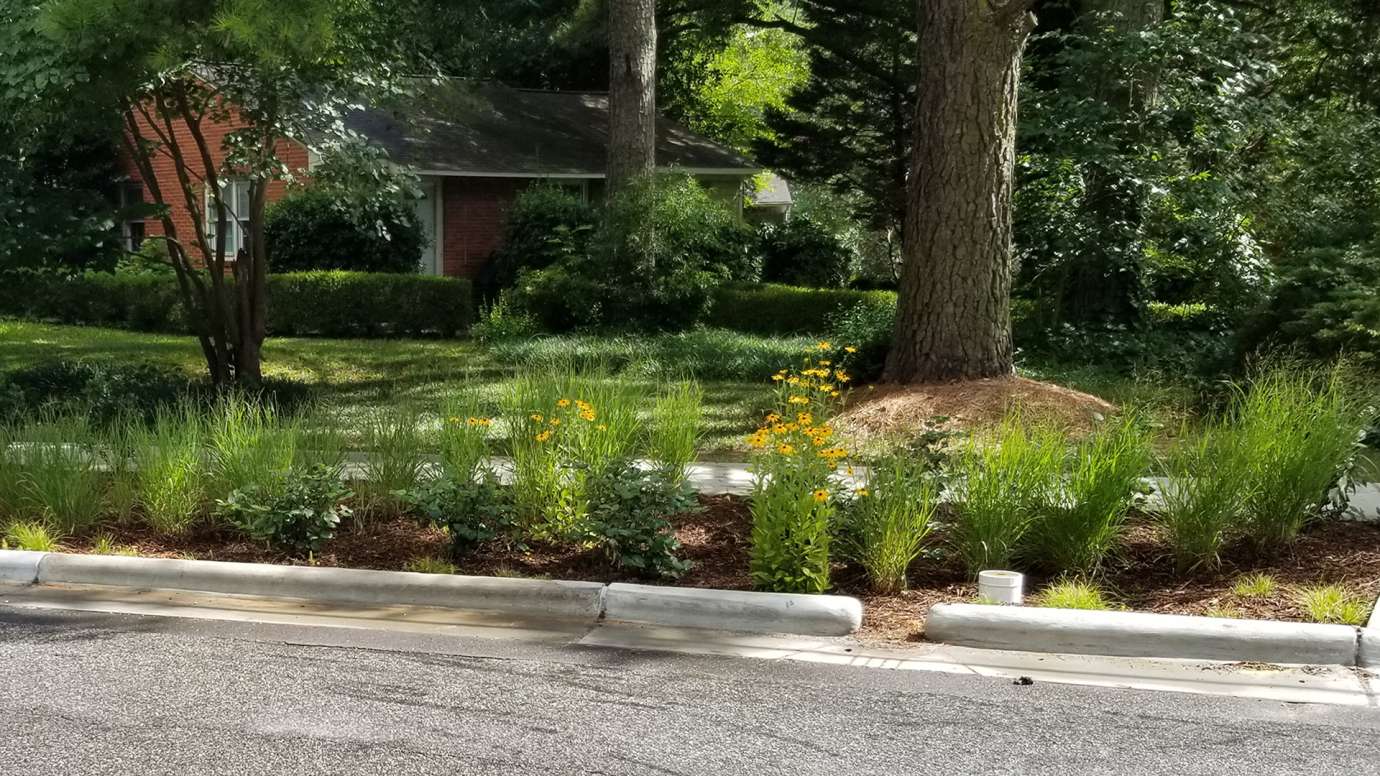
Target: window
(132,218)
(235,196)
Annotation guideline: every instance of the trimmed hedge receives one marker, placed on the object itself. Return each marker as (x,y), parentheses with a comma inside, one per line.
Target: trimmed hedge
(778,309)
(321,303)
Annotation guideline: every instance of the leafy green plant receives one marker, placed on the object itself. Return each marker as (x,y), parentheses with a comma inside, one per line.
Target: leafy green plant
(1333,603)
(1209,478)
(675,430)
(105,545)
(471,511)
(1301,426)
(464,438)
(31,535)
(1003,479)
(1255,585)
(790,535)
(503,321)
(172,470)
(1072,594)
(1079,523)
(296,512)
(629,508)
(430,566)
(248,443)
(889,520)
(395,462)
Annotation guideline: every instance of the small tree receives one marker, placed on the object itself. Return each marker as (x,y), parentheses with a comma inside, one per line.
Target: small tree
(172,70)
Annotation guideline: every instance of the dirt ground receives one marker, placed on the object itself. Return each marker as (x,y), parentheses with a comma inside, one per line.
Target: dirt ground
(716,540)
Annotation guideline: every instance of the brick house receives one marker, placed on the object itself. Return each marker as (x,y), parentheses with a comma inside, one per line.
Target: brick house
(475,145)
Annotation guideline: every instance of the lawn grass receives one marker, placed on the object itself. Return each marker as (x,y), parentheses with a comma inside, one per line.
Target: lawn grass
(350,377)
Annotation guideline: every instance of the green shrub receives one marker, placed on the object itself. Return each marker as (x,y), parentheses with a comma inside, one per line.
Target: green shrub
(888,522)
(104,392)
(1325,303)
(1003,479)
(1082,520)
(295,512)
(1334,604)
(628,511)
(776,309)
(1301,427)
(867,327)
(1072,594)
(30,535)
(473,512)
(318,229)
(503,320)
(1210,478)
(800,252)
(675,431)
(546,223)
(172,470)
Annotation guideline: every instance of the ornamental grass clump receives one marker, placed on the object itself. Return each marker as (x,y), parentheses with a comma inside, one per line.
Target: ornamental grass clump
(1081,520)
(1210,478)
(58,481)
(889,520)
(465,439)
(395,462)
(1333,604)
(1300,427)
(1003,479)
(795,456)
(675,431)
(1072,594)
(249,444)
(172,471)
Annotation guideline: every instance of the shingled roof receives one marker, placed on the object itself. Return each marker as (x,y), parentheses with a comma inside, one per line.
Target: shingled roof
(460,126)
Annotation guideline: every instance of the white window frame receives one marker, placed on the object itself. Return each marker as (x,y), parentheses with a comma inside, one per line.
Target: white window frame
(232,190)
(131,193)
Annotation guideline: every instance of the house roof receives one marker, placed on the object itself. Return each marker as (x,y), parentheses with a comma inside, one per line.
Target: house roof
(775,192)
(463,127)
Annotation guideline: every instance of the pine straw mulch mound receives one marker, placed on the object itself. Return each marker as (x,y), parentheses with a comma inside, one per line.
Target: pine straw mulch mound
(889,409)
(716,540)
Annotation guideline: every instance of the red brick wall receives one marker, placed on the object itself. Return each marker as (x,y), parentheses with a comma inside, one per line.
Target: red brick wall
(474,211)
(292,153)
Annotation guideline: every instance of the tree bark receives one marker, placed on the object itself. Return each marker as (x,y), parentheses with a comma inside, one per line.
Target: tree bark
(632,91)
(953,318)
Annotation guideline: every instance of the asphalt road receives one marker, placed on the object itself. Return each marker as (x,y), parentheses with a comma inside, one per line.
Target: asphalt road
(85,694)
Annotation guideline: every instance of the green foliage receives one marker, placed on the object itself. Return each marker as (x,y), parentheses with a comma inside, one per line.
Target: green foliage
(868,328)
(430,566)
(29,535)
(171,469)
(248,444)
(57,477)
(790,535)
(296,511)
(104,544)
(708,354)
(1211,477)
(660,250)
(777,309)
(886,526)
(546,224)
(676,429)
(316,229)
(1257,585)
(1326,302)
(1333,604)
(321,303)
(1002,478)
(104,392)
(503,321)
(395,464)
(801,252)
(464,438)
(1086,505)
(1072,594)
(628,511)
(473,512)
(1300,426)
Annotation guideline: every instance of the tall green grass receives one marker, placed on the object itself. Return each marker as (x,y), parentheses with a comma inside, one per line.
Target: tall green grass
(172,470)
(1210,478)
(58,479)
(395,462)
(1003,477)
(249,444)
(464,437)
(1300,426)
(890,521)
(676,429)
(1081,522)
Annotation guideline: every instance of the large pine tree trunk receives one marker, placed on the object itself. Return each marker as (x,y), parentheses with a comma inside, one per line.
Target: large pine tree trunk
(953,318)
(632,91)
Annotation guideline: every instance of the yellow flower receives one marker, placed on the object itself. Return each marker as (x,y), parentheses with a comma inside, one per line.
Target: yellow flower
(821,496)
(825,362)
(555,421)
(786,450)
(850,349)
(452,420)
(601,427)
(842,376)
(543,436)
(798,400)
(804,418)
(587,415)
(583,405)
(826,386)
(563,403)
(537,418)
(836,394)
(778,378)
(862,492)
(479,421)
(773,417)
(824,345)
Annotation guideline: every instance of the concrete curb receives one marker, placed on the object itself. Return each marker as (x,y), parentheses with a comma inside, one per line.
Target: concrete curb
(733,610)
(582,600)
(1139,634)
(808,615)
(19,567)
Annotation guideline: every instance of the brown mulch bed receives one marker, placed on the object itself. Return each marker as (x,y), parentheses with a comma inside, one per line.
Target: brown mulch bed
(885,410)
(716,540)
